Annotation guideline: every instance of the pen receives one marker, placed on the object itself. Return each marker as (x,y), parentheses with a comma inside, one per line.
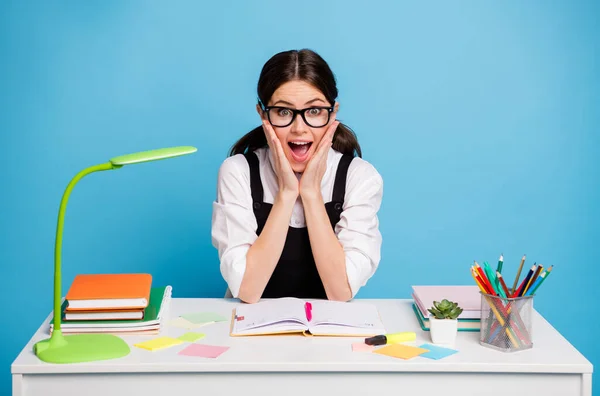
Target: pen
(391,338)
(308,309)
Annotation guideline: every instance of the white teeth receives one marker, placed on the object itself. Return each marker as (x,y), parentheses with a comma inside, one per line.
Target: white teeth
(300,143)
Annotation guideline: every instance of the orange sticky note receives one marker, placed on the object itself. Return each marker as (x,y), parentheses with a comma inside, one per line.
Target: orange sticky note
(401,351)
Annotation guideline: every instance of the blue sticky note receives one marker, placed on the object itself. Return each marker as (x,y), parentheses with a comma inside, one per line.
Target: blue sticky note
(436,352)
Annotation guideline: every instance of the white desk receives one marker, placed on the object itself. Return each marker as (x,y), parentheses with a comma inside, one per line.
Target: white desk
(297,365)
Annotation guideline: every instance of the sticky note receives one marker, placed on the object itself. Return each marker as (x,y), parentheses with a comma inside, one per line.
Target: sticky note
(158,343)
(436,352)
(186,324)
(362,347)
(202,350)
(400,351)
(204,317)
(191,337)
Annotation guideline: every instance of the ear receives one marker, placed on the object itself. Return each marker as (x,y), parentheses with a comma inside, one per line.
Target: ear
(336,107)
(260,112)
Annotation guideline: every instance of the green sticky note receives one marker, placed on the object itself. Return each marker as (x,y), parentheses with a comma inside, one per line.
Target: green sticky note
(191,337)
(203,317)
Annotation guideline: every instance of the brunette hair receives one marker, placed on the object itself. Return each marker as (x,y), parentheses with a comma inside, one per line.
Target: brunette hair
(305,65)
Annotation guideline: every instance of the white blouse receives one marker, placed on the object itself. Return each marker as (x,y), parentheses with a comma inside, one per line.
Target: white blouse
(234,225)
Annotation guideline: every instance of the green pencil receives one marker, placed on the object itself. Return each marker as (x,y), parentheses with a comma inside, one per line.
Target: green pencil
(491,277)
(500,262)
(543,277)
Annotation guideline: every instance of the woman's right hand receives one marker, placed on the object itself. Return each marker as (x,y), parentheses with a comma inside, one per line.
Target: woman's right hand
(287,180)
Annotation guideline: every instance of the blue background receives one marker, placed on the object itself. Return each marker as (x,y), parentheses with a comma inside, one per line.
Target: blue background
(482,118)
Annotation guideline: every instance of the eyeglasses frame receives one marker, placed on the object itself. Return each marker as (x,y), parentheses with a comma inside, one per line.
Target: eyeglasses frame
(295,112)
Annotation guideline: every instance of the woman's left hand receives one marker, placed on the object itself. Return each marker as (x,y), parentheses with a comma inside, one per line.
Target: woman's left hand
(310,182)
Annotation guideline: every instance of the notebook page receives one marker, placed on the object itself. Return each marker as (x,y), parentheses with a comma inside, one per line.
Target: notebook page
(353,315)
(286,312)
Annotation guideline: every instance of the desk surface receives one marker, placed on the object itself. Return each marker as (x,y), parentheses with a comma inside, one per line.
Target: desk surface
(551,352)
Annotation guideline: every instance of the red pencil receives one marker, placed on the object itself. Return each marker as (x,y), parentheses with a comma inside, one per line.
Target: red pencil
(484,279)
(482,284)
(499,275)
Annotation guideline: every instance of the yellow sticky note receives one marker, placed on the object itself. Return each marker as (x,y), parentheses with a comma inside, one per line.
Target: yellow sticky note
(401,351)
(158,343)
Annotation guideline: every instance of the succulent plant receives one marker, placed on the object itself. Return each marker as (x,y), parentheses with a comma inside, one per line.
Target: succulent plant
(445,309)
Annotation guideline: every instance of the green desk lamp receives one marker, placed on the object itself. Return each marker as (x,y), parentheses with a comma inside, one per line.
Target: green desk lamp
(78,348)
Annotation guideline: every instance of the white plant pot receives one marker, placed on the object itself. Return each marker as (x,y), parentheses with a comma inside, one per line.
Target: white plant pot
(443,331)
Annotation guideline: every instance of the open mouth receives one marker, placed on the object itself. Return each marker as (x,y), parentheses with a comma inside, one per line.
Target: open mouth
(300,150)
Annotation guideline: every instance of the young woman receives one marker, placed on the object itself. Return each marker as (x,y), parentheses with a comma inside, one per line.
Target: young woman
(296,208)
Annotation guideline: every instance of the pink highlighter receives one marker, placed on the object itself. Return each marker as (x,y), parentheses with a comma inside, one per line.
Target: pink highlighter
(308,309)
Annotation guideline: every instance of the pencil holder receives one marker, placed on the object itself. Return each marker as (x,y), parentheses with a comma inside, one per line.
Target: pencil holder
(506,322)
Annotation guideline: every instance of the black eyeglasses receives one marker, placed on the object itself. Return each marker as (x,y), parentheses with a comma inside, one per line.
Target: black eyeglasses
(316,117)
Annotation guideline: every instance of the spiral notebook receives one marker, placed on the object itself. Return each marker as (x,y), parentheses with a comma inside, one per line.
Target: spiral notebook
(309,317)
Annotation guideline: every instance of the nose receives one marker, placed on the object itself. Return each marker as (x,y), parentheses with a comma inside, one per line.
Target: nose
(298,125)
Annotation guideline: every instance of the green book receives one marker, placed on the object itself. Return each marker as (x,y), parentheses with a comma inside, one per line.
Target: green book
(159,299)
(463,324)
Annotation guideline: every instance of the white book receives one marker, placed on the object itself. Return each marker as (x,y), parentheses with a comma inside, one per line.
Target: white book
(315,317)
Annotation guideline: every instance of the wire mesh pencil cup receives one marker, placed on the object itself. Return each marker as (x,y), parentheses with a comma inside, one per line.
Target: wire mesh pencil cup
(506,323)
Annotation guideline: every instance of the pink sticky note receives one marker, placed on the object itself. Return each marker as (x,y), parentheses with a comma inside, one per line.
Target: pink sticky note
(202,350)
(362,347)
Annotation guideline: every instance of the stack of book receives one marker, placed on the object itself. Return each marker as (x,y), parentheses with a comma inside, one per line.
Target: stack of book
(467,297)
(114,303)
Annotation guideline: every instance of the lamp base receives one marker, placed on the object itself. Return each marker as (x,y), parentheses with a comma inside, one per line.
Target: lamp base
(78,348)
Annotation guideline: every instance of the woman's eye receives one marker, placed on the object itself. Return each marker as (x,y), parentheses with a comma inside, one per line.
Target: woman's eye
(283,112)
(314,112)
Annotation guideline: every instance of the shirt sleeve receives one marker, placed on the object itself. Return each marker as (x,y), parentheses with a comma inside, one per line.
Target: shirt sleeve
(358,228)
(233,222)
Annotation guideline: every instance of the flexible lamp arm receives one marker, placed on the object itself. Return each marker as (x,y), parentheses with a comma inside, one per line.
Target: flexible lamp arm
(59,234)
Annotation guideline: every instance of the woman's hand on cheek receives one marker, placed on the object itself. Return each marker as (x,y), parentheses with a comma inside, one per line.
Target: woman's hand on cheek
(310,183)
(287,180)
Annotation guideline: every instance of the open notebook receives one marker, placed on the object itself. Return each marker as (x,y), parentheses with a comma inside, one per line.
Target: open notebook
(320,317)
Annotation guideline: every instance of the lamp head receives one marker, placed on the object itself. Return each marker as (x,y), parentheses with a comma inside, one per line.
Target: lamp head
(152,155)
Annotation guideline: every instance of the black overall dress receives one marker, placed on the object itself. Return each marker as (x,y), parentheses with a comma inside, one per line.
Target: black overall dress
(296,273)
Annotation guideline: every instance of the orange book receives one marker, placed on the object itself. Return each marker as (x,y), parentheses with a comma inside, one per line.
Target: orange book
(109,292)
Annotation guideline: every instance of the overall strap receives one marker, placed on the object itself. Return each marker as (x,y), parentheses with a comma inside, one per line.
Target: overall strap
(339,186)
(255,183)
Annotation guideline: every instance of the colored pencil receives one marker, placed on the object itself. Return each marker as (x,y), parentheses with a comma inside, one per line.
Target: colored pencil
(475,276)
(502,283)
(500,262)
(514,288)
(491,277)
(533,278)
(518,292)
(484,278)
(540,279)
(502,314)
(480,281)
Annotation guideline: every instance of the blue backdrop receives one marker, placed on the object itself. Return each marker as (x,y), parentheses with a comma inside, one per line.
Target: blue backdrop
(482,118)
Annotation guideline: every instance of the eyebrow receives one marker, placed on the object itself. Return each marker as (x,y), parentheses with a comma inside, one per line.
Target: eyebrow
(291,105)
